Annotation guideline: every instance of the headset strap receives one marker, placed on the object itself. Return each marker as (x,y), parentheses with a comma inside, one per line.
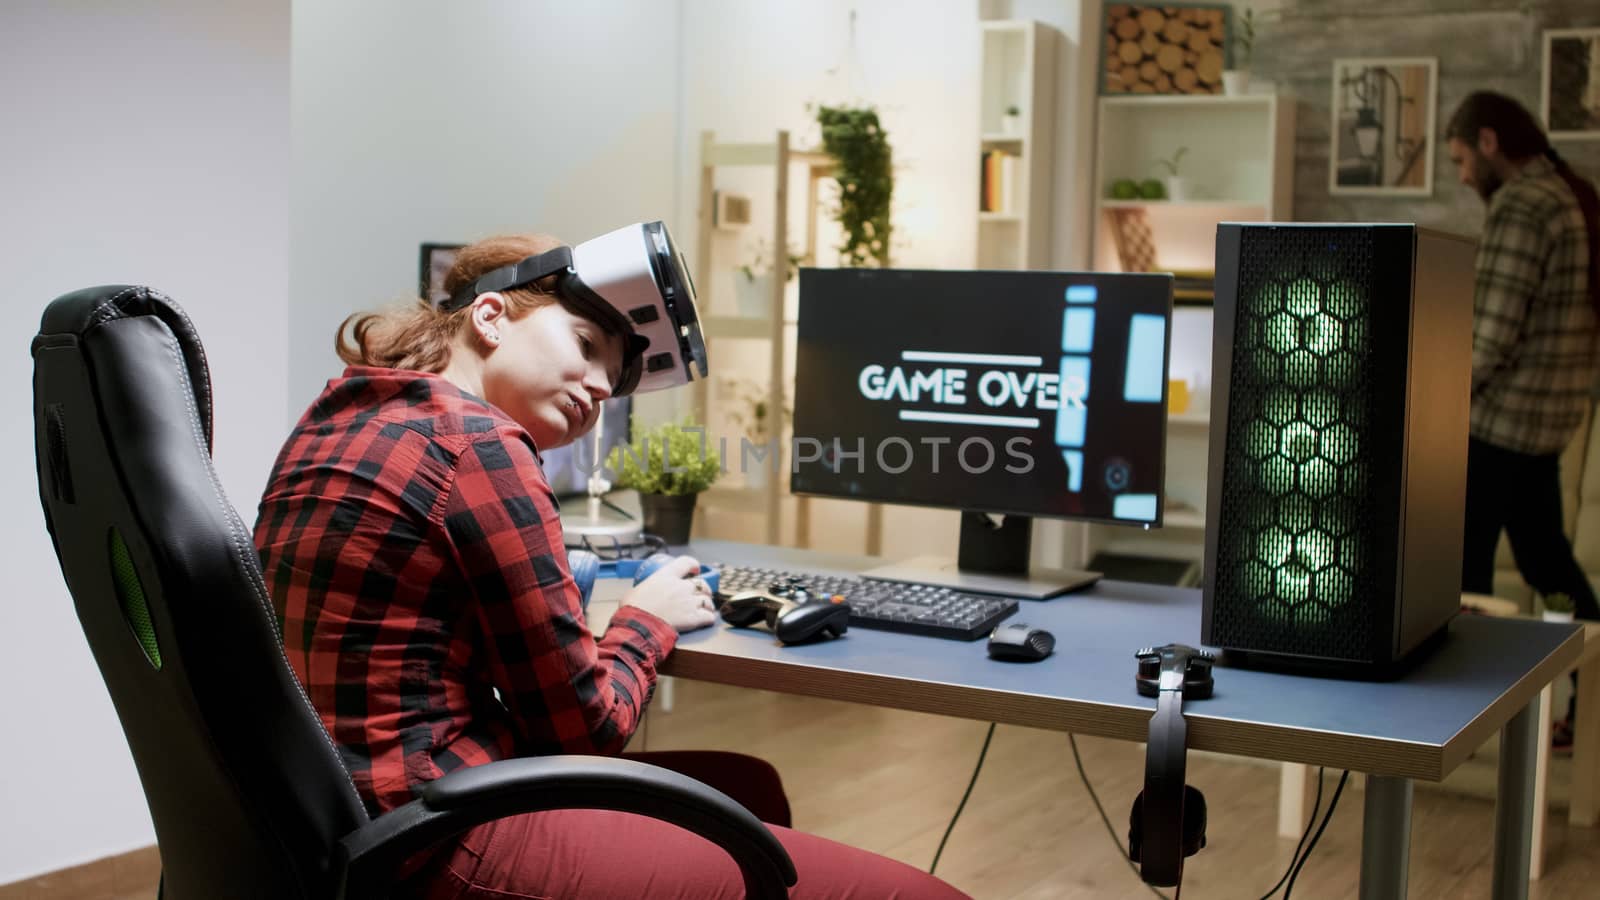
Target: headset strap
(571,288)
(507,277)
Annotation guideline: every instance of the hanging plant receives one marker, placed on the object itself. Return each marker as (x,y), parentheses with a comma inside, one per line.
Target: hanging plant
(860,150)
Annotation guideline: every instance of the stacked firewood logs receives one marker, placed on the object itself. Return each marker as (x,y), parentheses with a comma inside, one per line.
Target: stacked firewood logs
(1164,49)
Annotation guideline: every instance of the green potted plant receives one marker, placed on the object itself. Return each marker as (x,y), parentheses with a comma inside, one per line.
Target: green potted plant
(1177,185)
(1236,78)
(669,465)
(753,281)
(863,168)
(1557,608)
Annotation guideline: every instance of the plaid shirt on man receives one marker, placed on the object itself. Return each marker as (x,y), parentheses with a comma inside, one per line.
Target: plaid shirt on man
(1534,326)
(412,548)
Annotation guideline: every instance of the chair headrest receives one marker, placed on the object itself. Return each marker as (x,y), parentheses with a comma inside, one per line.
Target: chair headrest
(80,312)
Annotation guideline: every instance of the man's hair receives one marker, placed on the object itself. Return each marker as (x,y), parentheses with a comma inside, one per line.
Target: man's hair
(1521,138)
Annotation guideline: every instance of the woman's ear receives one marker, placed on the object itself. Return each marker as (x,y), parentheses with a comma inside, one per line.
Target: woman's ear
(488,311)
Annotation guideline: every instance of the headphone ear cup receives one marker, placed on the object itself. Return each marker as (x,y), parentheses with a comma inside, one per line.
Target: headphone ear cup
(585,568)
(1194,820)
(651,563)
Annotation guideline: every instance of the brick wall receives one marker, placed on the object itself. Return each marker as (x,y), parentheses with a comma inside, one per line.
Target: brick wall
(1479,45)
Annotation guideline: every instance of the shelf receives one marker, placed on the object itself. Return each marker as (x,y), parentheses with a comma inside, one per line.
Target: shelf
(739,326)
(1198,420)
(1185,204)
(1188,519)
(762,155)
(996,137)
(1004,26)
(1135,100)
(999,217)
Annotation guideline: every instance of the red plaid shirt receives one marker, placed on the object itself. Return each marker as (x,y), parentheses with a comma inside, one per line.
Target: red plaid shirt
(413,551)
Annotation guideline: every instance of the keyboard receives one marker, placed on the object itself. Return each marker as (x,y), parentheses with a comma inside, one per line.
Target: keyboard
(923,609)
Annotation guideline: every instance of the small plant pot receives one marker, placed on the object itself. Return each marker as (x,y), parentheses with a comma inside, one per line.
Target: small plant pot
(1235,82)
(1177,188)
(753,295)
(1011,125)
(669,516)
(1551,615)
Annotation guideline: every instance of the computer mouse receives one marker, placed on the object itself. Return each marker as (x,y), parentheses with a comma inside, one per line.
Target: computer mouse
(1021,642)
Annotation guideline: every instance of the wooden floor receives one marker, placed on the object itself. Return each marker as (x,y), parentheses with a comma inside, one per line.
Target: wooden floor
(888,781)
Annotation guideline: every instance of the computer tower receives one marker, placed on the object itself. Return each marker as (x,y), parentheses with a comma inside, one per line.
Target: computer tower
(1341,375)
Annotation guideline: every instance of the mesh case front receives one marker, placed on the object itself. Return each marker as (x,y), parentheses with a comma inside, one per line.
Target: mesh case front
(1301,561)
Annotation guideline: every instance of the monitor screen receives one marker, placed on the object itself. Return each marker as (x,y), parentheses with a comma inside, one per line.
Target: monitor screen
(1033,393)
(433,265)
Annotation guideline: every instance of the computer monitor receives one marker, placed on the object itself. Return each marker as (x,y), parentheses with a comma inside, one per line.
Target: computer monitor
(433,264)
(1018,393)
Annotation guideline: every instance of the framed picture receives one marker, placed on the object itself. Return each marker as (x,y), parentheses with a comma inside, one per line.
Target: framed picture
(1570,93)
(1383,127)
(432,266)
(729,210)
(1166,49)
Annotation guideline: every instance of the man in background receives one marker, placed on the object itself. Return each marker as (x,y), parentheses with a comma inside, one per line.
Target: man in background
(1536,321)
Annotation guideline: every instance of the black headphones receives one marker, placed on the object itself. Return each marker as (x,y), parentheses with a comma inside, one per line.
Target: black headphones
(1168,821)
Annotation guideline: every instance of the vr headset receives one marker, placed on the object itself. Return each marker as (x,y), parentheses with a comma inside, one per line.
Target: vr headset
(633,281)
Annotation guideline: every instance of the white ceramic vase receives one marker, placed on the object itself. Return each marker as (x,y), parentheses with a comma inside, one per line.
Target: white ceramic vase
(1177,188)
(1235,82)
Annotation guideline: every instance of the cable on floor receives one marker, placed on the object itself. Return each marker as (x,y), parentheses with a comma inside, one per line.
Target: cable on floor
(963,804)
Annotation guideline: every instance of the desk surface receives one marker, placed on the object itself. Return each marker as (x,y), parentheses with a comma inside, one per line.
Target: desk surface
(1421,726)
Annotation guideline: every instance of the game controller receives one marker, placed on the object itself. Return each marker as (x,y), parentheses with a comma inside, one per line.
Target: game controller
(790,612)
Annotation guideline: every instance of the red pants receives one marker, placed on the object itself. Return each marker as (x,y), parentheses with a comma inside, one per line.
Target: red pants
(569,854)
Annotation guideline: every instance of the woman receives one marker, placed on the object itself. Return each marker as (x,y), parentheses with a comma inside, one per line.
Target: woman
(414,554)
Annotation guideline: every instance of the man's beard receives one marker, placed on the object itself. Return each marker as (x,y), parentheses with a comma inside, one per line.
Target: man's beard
(1486,179)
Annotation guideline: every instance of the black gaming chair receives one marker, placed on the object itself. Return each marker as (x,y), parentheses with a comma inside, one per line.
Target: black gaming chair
(249,797)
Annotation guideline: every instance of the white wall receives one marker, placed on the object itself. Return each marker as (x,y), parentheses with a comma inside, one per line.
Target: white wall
(151,142)
(750,69)
(421,121)
(146,141)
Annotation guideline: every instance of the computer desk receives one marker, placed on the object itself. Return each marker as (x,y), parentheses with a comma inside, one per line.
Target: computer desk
(1485,677)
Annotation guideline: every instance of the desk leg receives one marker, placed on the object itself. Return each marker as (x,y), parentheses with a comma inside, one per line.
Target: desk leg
(1386,838)
(1513,808)
(1541,786)
(1584,810)
(1296,792)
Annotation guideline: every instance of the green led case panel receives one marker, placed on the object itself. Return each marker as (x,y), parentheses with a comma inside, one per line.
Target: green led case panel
(1298,523)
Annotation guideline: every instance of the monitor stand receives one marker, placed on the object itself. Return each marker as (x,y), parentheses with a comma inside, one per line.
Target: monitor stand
(993,560)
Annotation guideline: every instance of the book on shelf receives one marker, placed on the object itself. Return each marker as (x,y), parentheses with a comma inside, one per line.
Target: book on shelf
(997,182)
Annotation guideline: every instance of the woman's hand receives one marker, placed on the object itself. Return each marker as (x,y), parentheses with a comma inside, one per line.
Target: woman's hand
(676,594)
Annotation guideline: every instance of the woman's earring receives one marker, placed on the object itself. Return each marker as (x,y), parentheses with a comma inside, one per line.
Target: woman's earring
(492,337)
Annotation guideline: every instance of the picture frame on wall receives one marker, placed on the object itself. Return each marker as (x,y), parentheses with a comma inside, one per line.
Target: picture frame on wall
(1382,132)
(1169,48)
(1570,84)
